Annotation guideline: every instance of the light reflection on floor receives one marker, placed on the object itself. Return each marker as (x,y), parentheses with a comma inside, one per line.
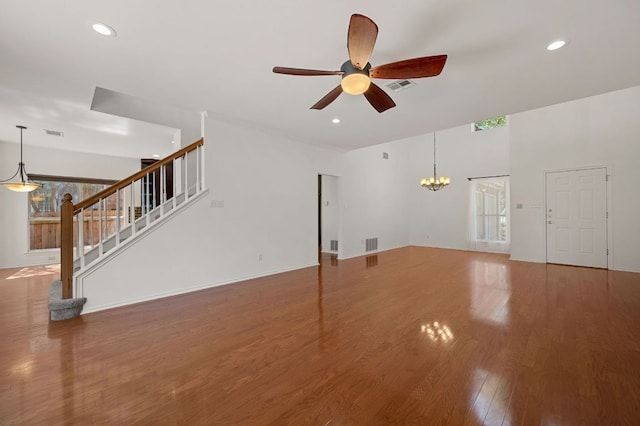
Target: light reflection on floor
(490,292)
(492,398)
(33,271)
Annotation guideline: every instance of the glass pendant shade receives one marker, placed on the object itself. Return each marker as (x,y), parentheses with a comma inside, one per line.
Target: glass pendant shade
(355,84)
(21,186)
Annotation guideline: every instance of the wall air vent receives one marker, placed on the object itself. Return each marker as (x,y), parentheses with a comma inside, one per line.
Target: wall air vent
(371,244)
(399,85)
(334,245)
(54,133)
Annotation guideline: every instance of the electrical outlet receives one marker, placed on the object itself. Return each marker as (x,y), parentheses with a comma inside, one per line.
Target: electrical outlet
(260,257)
(51,258)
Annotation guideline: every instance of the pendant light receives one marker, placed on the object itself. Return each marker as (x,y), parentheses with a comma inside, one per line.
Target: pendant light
(24,184)
(434,183)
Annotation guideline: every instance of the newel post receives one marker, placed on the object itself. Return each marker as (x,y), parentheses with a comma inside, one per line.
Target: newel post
(66,246)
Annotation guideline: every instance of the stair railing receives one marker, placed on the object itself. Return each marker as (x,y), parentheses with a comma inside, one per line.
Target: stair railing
(101,223)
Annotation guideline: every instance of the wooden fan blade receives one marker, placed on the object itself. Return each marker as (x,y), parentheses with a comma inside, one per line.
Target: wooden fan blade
(360,40)
(378,98)
(302,71)
(429,66)
(328,98)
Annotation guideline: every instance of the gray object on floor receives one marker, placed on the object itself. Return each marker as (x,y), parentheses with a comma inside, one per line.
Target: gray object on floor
(63,308)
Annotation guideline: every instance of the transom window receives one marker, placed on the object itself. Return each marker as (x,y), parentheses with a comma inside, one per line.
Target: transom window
(490,123)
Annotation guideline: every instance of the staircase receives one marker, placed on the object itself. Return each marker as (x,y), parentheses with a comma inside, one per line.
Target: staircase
(100,226)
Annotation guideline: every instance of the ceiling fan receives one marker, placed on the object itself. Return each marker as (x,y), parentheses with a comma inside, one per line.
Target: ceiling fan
(357,71)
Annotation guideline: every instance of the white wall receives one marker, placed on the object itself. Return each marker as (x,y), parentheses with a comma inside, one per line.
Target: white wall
(440,219)
(596,131)
(14,238)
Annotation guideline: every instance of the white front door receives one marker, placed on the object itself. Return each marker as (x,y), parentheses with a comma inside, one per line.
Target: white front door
(576,215)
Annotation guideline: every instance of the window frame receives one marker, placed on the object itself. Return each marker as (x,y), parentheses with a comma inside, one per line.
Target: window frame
(486,243)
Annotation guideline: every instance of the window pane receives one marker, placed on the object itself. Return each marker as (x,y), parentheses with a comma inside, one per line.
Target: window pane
(44,211)
(490,208)
(490,123)
(480,227)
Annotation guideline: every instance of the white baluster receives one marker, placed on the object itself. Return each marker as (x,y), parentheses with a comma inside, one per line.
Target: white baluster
(186,176)
(117,217)
(202,166)
(81,237)
(132,210)
(100,230)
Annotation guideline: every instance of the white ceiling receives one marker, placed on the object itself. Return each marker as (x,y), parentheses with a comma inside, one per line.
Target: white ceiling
(217,57)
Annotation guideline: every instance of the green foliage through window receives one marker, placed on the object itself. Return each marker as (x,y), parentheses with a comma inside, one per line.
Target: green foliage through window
(490,123)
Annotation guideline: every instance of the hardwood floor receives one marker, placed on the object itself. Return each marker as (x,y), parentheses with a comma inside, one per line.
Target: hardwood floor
(408,336)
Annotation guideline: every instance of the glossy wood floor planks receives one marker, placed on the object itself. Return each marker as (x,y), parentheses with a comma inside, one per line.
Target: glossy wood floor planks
(409,336)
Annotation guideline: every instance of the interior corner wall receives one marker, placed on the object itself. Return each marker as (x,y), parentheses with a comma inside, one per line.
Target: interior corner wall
(596,131)
(441,218)
(14,228)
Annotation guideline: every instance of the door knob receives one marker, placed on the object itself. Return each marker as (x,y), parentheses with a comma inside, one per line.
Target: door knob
(549,222)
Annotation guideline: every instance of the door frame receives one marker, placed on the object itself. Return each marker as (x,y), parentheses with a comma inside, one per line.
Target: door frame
(609,207)
(339,213)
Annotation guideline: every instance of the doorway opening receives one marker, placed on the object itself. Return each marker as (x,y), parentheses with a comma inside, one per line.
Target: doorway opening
(328,215)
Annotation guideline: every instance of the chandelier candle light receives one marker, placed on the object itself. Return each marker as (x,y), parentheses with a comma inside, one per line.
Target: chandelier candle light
(24,184)
(434,183)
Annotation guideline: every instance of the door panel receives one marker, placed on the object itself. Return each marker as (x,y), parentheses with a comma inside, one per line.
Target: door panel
(576,217)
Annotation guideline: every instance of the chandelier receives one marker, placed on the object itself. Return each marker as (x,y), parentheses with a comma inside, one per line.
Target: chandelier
(24,184)
(434,183)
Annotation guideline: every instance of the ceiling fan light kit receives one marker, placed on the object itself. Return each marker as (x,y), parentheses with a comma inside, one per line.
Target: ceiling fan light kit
(357,72)
(355,81)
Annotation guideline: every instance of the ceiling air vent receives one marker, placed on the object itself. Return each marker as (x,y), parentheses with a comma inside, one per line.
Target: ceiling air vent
(54,133)
(399,85)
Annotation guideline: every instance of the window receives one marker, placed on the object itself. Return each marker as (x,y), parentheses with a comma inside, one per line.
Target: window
(490,214)
(44,206)
(490,123)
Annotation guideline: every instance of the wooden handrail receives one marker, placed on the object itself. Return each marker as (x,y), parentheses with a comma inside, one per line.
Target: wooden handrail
(138,175)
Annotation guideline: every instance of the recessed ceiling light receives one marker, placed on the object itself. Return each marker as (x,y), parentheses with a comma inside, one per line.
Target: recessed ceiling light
(335,120)
(173,141)
(104,29)
(155,156)
(556,45)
